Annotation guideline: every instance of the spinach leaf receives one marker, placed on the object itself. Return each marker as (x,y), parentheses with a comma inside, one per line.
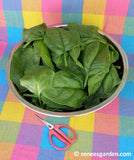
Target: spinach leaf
(74,53)
(94,82)
(65,96)
(60,42)
(23,60)
(34,33)
(65,80)
(58,60)
(111,80)
(17,70)
(86,31)
(35,101)
(77,72)
(90,102)
(86,41)
(37,80)
(41,50)
(88,56)
(114,54)
(99,68)
(101,62)
(52,106)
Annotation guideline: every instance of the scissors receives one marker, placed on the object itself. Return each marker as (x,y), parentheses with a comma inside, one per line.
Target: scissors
(55,130)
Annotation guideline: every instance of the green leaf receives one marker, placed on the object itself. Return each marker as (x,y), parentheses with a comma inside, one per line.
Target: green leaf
(111,80)
(94,82)
(22,61)
(77,72)
(58,60)
(65,80)
(85,42)
(84,30)
(74,53)
(65,96)
(41,50)
(37,80)
(98,70)
(35,101)
(114,54)
(90,102)
(100,94)
(88,56)
(52,106)
(101,62)
(59,41)
(34,33)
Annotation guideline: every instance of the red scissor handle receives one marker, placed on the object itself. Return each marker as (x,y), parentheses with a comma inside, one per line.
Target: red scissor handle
(61,136)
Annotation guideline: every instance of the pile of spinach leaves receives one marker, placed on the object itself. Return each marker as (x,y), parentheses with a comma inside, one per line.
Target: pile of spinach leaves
(65,69)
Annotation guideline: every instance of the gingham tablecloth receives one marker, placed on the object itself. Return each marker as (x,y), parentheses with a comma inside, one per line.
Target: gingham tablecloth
(109,130)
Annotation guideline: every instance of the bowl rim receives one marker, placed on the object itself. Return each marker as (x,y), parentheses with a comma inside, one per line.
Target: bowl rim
(74,113)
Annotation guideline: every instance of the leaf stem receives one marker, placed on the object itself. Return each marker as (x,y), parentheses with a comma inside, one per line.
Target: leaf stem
(65,60)
(39,100)
(30,95)
(85,82)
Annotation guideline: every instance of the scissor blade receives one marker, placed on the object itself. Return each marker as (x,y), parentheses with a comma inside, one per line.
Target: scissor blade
(50,126)
(42,120)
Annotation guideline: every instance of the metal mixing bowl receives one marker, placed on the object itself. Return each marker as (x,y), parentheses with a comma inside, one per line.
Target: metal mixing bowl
(75,113)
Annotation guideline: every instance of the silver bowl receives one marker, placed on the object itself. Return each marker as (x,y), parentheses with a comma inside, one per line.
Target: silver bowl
(75,113)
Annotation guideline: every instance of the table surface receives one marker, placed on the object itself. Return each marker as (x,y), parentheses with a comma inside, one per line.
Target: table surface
(109,130)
